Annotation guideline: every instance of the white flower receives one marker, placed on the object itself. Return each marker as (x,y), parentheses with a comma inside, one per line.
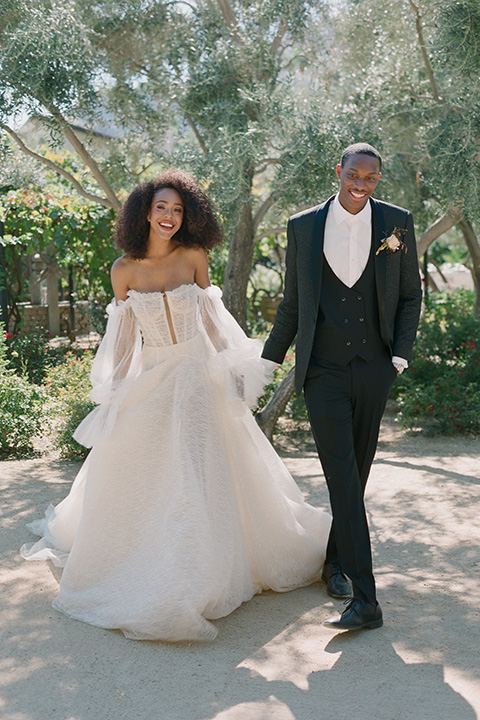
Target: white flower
(393,243)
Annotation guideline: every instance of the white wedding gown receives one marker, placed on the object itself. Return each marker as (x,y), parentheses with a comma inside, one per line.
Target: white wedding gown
(182,510)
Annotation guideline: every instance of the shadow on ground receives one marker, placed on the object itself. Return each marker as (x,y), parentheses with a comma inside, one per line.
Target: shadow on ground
(272,658)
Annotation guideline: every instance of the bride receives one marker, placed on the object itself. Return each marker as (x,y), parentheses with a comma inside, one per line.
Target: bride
(182,510)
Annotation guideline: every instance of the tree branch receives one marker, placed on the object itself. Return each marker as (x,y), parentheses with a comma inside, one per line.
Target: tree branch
(277,40)
(228,14)
(270,231)
(262,210)
(82,151)
(423,50)
(436,229)
(473,246)
(56,168)
(266,163)
(196,132)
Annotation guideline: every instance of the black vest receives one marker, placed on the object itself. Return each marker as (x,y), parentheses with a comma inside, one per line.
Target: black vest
(348,324)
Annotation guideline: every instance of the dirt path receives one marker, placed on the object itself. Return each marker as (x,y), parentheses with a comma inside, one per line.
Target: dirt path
(273,659)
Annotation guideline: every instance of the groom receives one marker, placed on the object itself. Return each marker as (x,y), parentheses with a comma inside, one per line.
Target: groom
(352,298)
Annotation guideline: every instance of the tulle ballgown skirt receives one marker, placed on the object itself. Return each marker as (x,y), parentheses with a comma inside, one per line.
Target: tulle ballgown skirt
(181,513)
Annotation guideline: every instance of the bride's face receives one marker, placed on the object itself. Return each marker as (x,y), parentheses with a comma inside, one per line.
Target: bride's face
(166,213)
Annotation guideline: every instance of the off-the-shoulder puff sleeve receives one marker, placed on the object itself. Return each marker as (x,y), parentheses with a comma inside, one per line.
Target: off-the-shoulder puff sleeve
(116,365)
(236,361)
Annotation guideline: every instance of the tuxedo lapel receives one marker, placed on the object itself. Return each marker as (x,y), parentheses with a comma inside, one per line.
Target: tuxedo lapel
(378,236)
(318,235)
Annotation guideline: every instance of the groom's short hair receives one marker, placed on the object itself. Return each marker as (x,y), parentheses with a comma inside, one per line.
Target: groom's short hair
(360,149)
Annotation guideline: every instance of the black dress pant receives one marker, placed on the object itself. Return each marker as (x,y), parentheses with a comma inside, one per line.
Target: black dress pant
(345,405)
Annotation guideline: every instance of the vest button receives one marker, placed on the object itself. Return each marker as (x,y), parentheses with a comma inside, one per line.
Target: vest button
(359,297)
(364,341)
(361,319)
(345,321)
(344,299)
(348,343)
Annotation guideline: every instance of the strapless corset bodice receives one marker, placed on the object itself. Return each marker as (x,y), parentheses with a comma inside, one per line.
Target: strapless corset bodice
(166,318)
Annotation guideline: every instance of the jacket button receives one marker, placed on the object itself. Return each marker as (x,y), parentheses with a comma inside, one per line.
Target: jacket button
(361,319)
(359,297)
(348,343)
(364,341)
(343,299)
(345,321)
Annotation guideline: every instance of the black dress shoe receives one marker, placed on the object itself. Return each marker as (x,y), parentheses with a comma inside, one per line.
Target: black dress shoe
(337,584)
(357,615)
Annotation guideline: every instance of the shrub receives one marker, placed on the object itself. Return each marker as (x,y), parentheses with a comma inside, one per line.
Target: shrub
(21,416)
(441,390)
(20,407)
(29,354)
(68,386)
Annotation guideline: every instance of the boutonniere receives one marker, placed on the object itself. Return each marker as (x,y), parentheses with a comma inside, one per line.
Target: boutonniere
(393,242)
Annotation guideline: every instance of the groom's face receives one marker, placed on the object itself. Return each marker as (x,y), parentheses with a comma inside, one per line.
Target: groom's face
(358,177)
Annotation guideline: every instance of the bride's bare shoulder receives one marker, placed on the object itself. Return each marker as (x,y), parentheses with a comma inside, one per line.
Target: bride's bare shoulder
(121,276)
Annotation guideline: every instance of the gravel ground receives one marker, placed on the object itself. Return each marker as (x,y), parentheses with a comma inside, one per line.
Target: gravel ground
(272,659)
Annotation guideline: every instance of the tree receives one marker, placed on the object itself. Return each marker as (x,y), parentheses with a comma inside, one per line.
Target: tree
(224,79)
(405,83)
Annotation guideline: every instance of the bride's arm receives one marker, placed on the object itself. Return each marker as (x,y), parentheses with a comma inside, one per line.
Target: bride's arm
(209,308)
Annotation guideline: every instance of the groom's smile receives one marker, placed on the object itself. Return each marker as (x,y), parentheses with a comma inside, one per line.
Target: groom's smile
(358,177)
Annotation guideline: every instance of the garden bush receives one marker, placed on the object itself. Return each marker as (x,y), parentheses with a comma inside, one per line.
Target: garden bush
(21,416)
(67,387)
(29,354)
(440,393)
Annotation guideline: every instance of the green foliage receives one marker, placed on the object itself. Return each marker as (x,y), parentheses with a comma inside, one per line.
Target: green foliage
(21,415)
(47,57)
(441,390)
(67,388)
(30,354)
(21,407)
(81,232)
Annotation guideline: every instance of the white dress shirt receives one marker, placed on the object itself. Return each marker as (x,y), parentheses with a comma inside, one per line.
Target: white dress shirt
(347,243)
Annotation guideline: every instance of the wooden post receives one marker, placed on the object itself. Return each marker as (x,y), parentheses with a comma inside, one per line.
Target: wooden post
(52,290)
(3,283)
(71,299)
(426,280)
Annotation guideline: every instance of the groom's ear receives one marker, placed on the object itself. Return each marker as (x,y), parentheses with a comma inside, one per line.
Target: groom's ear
(339,171)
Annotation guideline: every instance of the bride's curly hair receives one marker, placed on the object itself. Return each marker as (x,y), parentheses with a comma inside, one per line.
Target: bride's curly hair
(200,227)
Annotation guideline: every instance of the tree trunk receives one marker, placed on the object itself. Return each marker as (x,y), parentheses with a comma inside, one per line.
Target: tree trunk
(240,256)
(473,246)
(274,409)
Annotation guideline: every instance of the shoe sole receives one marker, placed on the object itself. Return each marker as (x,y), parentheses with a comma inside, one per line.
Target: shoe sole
(367,626)
(339,597)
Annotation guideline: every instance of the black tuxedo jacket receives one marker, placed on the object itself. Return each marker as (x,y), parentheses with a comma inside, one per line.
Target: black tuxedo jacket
(397,279)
